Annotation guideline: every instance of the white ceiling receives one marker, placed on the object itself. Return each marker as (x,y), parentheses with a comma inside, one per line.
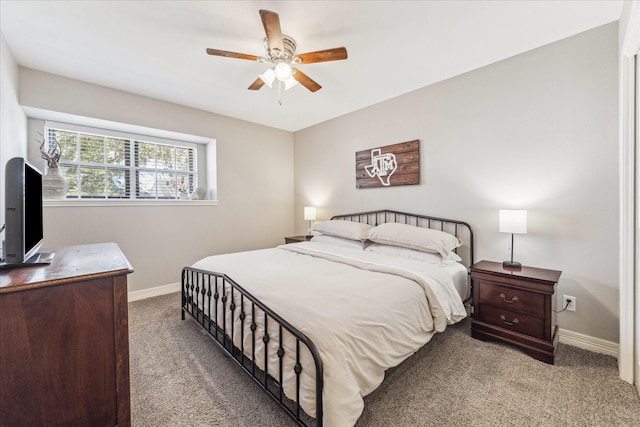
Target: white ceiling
(157,48)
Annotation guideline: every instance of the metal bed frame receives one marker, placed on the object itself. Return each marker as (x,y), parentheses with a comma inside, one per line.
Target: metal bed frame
(206,295)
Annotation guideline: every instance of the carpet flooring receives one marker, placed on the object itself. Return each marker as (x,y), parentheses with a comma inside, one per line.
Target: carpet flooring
(180,378)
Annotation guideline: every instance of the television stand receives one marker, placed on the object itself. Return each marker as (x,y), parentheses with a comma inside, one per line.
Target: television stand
(41,258)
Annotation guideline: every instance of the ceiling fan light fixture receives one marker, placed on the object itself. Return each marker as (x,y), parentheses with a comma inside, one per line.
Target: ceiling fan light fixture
(268,77)
(283,71)
(291,82)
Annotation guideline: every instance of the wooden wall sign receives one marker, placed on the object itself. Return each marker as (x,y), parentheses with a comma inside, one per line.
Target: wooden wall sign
(397,164)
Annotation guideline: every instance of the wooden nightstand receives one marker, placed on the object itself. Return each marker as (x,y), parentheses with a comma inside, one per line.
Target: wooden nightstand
(297,239)
(515,306)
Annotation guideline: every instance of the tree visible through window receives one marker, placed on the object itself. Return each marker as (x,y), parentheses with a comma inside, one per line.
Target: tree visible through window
(107,167)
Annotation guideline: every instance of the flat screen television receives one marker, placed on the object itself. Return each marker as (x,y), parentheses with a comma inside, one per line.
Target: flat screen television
(24,233)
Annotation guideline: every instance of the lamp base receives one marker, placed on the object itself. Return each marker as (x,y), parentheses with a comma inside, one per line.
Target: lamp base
(512,265)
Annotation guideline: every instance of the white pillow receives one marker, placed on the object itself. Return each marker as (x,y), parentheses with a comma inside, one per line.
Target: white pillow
(340,241)
(412,237)
(339,228)
(407,253)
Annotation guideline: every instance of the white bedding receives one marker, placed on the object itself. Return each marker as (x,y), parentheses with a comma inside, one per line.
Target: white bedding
(460,276)
(365,313)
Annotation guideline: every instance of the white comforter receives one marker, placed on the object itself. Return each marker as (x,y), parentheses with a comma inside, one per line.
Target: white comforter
(365,313)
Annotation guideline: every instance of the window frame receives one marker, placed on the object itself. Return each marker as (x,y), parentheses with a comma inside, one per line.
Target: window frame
(191,142)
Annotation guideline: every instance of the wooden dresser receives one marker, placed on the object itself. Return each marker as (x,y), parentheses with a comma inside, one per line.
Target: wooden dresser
(515,306)
(64,340)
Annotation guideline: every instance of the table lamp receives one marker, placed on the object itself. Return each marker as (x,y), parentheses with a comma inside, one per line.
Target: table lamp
(309,215)
(513,221)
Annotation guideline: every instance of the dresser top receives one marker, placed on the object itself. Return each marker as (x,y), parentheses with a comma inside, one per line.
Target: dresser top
(69,263)
(525,272)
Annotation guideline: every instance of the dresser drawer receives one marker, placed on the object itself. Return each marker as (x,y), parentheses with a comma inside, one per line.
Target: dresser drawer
(511,299)
(511,320)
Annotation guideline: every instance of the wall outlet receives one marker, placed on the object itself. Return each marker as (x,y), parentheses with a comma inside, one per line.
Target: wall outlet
(571,300)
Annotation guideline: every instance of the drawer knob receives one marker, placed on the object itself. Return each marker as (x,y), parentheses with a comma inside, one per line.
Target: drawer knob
(508,301)
(513,322)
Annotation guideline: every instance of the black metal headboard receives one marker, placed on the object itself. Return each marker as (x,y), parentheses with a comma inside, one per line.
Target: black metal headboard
(460,229)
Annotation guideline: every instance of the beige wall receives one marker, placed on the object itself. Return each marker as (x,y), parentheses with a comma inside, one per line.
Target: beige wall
(255,183)
(13,122)
(537,131)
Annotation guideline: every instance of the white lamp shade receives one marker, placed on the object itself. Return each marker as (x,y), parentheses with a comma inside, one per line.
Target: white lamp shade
(291,82)
(268,77)
(283,71)
(513,221)
(310,213)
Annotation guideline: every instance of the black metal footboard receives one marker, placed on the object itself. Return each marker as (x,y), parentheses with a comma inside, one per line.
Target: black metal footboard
(280,359)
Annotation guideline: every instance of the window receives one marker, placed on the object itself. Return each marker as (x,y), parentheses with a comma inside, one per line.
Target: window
(105,165)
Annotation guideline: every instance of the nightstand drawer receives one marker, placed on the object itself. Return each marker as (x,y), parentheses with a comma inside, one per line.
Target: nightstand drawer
(511,320)
(511,298)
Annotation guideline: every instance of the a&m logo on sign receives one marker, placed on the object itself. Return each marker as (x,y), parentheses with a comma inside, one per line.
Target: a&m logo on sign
(388,166)
(382,166)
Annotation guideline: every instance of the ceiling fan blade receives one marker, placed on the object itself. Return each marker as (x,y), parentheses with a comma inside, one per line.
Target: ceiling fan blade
(228,54)
(305,80)
(335,54)
(257,84)
(271,23)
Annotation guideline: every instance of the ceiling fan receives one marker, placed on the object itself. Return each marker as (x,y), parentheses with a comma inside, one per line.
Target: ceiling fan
(281,53)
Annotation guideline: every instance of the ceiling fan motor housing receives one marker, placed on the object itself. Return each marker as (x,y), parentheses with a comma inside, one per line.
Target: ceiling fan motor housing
(289,49)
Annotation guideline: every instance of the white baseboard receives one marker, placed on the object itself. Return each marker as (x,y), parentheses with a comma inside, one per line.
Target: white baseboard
(154,292)
(587,342)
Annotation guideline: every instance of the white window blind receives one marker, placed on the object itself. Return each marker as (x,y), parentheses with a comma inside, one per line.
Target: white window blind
(108,165)
(163,171)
